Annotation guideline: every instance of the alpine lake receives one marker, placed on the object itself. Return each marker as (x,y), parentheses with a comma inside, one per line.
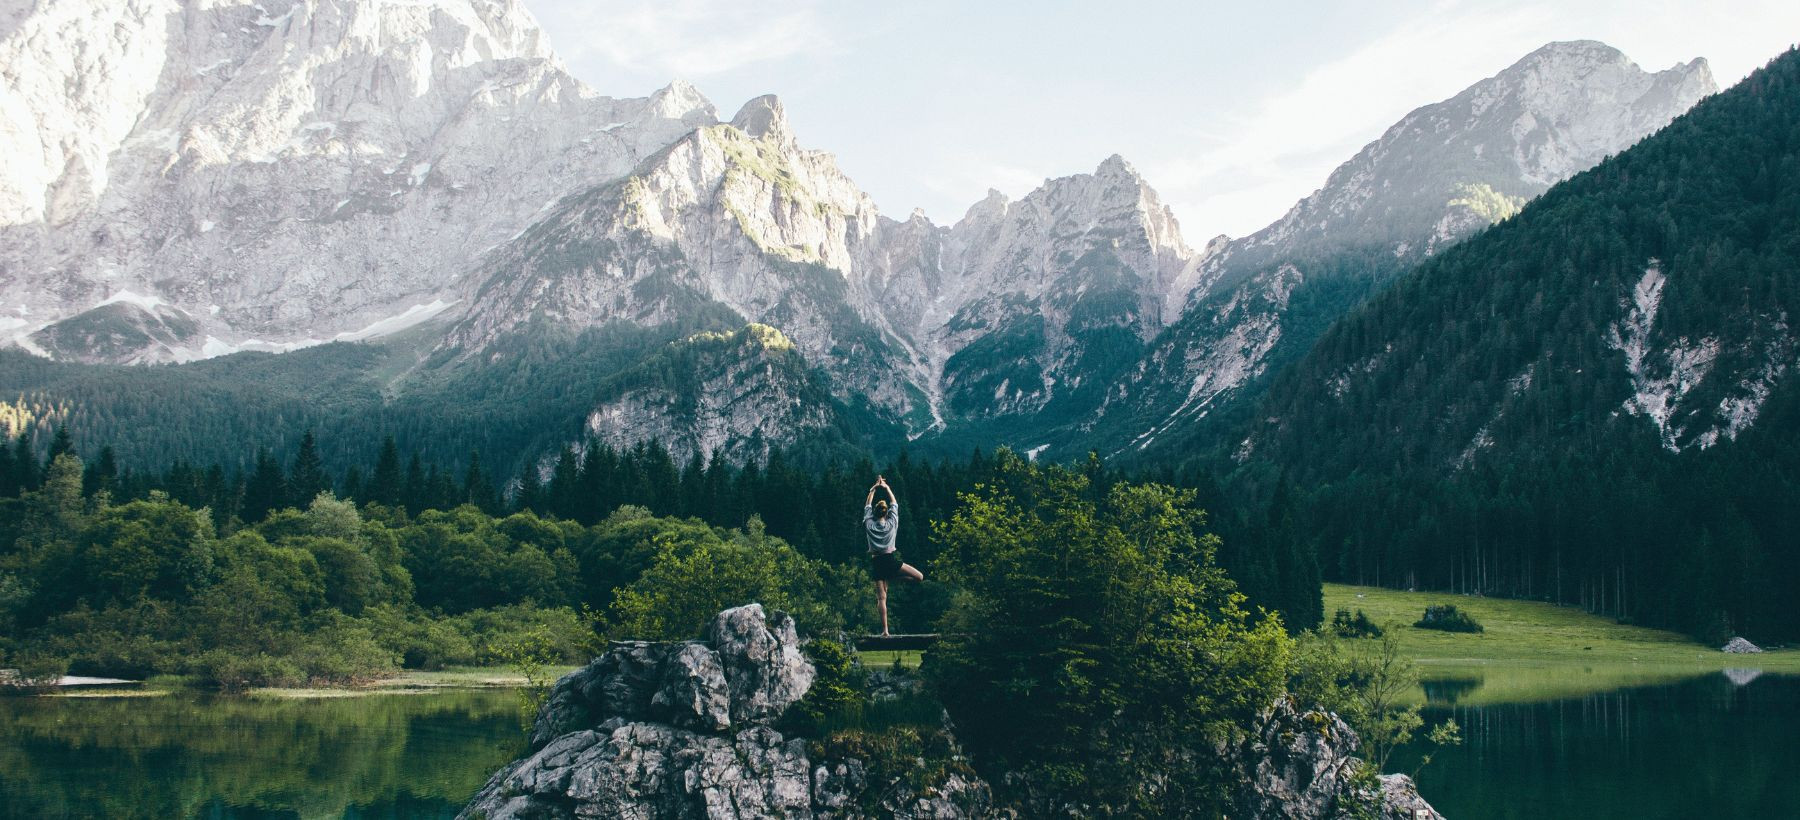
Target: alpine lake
(1623,725)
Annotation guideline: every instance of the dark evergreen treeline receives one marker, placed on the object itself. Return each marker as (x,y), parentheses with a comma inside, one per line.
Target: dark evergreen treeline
(1469,427)
(528,394)
(817,509)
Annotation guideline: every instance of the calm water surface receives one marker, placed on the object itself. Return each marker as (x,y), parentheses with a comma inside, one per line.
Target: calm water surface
(1710,747)
(1705,748)
(191,755)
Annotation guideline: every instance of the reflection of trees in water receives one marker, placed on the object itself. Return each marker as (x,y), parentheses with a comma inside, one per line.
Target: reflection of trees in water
(177,755)
(1447,691)
(1701,748)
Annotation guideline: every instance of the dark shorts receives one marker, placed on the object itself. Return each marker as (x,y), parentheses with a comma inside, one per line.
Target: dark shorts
(885,566)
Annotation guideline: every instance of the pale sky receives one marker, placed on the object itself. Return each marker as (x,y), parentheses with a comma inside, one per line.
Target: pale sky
(1230,111)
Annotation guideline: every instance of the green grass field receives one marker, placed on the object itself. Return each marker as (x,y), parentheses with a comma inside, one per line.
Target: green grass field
(884,658)
(1535,651)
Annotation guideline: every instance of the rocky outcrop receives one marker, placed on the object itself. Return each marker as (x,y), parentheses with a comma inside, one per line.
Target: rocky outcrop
(688,729)
(1740,646)
(685,730)
(1302,764)
(285,172)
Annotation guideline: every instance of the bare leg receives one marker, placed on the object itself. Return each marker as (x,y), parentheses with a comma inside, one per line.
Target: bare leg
(911,574)
(881,602)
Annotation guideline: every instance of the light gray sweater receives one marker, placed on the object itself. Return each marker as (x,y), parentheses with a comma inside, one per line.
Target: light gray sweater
(881,531)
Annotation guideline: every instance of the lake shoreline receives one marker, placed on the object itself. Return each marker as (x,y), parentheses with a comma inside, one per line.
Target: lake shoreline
(1532,651)
(409,682)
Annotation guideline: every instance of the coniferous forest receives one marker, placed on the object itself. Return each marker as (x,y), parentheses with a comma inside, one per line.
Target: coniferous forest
(1476,427)
(342,577)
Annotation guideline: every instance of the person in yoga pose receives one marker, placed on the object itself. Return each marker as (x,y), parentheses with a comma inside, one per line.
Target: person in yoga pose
(881,522)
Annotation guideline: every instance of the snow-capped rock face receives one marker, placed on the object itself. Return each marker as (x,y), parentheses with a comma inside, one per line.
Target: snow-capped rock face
(738,216)
(734,218)
(1434,178)
(1453,167)
(286,170)
(1040,295)
(189,179)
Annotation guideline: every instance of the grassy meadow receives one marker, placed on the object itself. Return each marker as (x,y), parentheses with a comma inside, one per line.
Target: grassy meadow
(1534,651)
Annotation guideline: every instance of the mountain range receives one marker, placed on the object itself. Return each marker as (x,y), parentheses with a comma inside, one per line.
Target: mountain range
(428,179)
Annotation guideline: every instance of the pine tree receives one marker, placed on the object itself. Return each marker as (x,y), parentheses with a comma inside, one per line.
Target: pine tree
(476,488)
(60,444)
(9,479)
(25,463)
(266,490)
(531,490)
(308,477)
(565,479)
(413,493)
(385,484)
(103,474)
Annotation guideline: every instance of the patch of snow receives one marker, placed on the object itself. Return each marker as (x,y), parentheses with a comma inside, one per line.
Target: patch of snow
(271,22)
(206,225)
(211,67)
(420,172)
(394,324)
(214,346)
(1032,453)
(146,302)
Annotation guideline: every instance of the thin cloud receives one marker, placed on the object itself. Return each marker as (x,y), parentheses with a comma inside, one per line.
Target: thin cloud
(683,38)
(1260,163)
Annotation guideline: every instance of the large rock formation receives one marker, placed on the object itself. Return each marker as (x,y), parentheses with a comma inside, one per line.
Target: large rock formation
(686,730)
(1302,764)
(683,730)
(1440,174)
(265,174)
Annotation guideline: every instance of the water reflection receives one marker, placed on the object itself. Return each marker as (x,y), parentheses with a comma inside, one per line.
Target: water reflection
(187,755)
(1708,747)
(1447,691)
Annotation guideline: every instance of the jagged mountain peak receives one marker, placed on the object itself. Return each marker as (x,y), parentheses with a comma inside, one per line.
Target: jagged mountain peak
(288,171)
(1451,167)
(1115,167)
(764,117)
(680,100)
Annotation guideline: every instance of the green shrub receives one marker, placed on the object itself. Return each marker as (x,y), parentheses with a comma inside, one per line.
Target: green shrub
(1096,642)
(344,653)
(1447,618)
(1345,625)
(40,671)
(235,673)
(691,578)
(837,689)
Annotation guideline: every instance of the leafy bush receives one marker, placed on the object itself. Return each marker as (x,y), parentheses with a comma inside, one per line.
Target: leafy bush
(235,673)
(691,578)
(343,653)
(557,634)
(837,688)
(1344,625)
(1447,618)
(1097,642)
(35,672)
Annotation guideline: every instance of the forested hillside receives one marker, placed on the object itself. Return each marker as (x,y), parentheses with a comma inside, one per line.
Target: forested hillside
(1590,402)
(537,398)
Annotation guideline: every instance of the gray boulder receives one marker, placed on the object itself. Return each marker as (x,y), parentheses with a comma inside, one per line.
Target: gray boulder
(1740,646)
(747,671)
(1303,764)
(683,730)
